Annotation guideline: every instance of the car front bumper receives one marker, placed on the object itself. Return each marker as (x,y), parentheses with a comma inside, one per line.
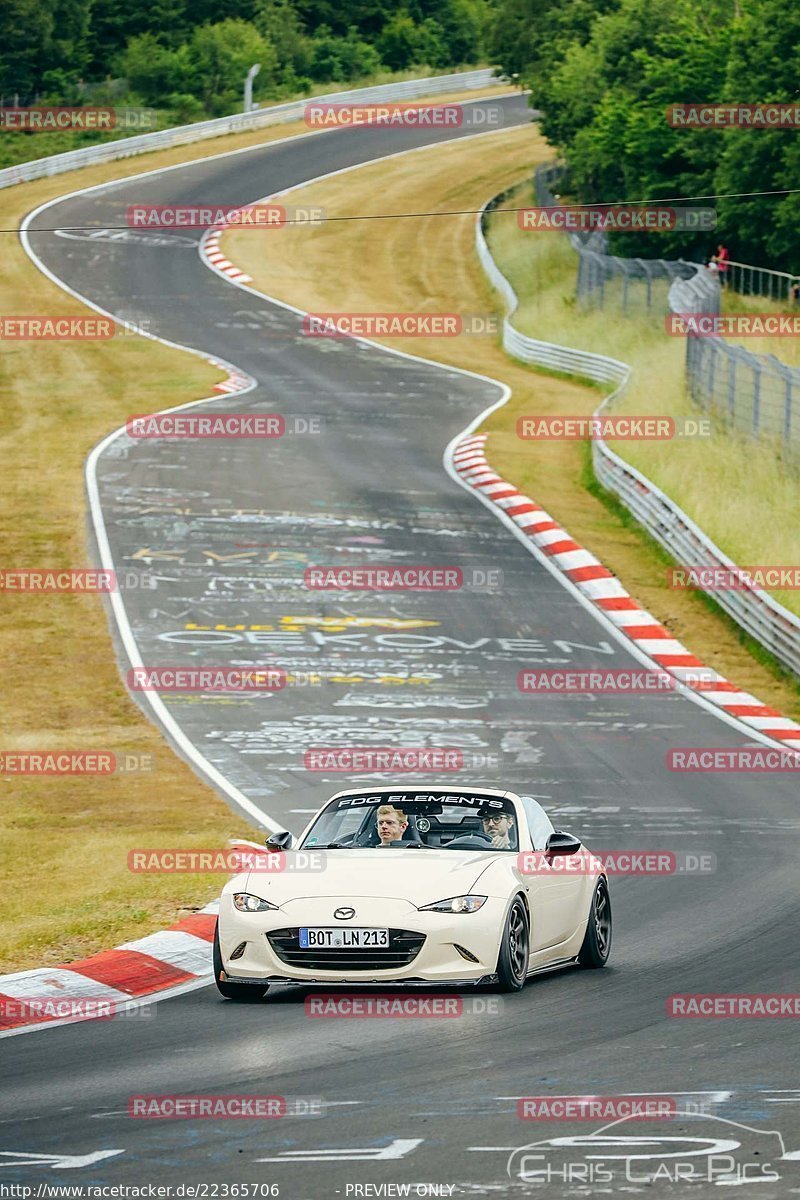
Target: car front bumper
(437,960)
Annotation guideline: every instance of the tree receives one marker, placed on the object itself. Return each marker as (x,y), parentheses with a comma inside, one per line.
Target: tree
(68,48)
(342,58)
(764,52)
(221,55)
(605,106)
(531,37)
(154,71)
(399,41)
(461,22)
(114,25)
(432,45)
(26,29)
(279,21)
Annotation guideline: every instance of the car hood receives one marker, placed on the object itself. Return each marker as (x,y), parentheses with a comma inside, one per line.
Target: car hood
(419,876)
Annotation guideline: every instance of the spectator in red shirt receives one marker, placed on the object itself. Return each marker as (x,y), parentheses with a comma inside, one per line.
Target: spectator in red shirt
(719,261)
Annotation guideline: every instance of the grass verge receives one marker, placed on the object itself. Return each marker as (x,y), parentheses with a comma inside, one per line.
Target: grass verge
(428,263)
(733,487)
(64,841)
(20,147)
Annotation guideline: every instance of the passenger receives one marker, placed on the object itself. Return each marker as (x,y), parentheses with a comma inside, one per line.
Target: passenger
(498,826)
(392,824)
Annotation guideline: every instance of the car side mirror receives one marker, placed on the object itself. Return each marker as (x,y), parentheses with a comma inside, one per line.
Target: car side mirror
(278,842)
(562,843)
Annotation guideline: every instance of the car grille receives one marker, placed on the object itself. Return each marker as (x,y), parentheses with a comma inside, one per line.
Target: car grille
(403,948)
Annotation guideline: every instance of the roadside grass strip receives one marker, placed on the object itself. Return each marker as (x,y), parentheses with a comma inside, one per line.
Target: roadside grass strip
(605,592)
(428,264)
(64,842)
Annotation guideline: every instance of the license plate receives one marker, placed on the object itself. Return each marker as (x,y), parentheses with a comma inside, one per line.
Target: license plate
(343,939)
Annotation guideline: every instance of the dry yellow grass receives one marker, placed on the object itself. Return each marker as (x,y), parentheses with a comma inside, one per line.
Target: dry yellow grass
(786,348)
(64,841)
(732,486)
(429,264)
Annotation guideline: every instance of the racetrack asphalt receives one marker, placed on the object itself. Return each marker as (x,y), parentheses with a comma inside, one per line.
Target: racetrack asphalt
(226,529)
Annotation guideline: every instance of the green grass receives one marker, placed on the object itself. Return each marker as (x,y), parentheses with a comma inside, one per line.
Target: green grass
(736,489)
(19,147)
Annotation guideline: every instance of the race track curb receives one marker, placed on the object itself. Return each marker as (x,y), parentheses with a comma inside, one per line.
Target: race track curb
(212,252)
(106,983)
(605,592)
(111,983)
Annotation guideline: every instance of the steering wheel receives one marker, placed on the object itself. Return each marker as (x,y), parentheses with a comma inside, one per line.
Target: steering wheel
(466,841)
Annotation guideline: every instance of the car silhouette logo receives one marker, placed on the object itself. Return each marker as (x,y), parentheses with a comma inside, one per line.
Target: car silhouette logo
(344,914)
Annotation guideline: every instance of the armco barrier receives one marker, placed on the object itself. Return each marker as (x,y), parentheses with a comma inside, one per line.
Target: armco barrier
(754,610)
(544,354)
(753,394)
(277,114)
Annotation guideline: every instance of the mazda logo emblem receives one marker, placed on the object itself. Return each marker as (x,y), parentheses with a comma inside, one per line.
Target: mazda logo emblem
(344,914)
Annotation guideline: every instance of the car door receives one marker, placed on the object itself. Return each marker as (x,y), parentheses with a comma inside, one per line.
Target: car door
(557,897)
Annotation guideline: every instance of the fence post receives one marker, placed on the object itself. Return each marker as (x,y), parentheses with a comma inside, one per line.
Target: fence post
(787,411)
(693,352)
(732,389)
(756,397)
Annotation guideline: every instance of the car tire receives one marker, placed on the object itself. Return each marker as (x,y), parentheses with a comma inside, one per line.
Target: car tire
(597,942)
(512,961)
(246,993)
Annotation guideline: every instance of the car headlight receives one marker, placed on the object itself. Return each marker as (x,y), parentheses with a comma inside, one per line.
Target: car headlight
(246,902)
(456,904)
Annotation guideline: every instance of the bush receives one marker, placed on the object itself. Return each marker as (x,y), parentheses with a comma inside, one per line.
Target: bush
(342,59)
(399,42)
(152,70)
(220,57)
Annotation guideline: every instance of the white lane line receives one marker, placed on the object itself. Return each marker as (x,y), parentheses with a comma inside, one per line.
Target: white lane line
(58,1162)
(456,444)
(715,1097)
(165,718)
(398,1148)
(162,713)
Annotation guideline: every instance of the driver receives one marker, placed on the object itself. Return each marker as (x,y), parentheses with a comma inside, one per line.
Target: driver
(392,824)
(499,827)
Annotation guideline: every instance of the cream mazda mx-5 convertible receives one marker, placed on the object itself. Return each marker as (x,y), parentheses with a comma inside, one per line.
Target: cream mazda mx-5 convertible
(414,885)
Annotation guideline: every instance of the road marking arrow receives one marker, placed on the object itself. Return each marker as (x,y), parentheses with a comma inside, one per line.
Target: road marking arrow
(58,1162)
(398,1148)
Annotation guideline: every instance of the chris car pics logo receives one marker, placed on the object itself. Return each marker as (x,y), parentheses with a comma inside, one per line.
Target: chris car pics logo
(687,1147)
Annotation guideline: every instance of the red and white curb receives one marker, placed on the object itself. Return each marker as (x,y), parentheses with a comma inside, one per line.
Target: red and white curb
(603,590)
(209,249)
(109,981)
(236,381)
(115,981)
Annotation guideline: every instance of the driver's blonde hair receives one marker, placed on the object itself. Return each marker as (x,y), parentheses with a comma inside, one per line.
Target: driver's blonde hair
(389,810)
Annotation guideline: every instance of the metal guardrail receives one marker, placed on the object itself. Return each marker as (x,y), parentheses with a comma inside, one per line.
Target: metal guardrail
(604,278)
(597,367)
(277,114)
(753,394)
(772,625)
(759,281)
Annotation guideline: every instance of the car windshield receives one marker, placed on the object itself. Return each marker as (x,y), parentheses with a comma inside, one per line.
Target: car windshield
(463,821)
